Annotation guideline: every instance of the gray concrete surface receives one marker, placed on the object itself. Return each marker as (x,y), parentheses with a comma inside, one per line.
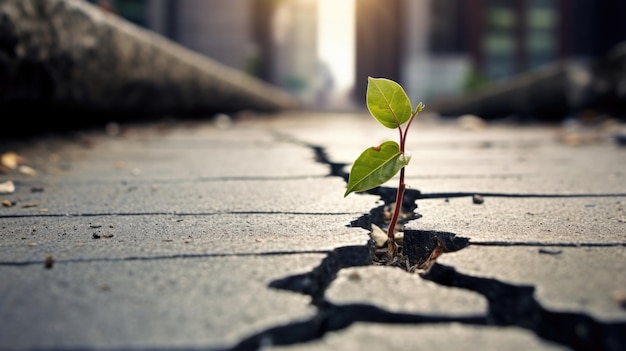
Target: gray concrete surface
(192,235)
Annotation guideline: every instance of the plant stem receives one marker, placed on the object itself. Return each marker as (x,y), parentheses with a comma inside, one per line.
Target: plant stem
(392,247)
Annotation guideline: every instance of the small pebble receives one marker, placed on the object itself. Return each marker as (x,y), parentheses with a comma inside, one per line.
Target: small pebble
(477,199)
(354,276)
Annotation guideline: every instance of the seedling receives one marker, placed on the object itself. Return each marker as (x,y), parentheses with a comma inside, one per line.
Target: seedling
(389,104)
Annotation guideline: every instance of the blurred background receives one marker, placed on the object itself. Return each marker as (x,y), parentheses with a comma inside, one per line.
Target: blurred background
(323,50)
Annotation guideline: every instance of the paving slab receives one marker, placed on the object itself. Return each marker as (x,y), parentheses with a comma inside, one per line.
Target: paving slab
(158,155)
(409,292)
(29,240)
(449,158)
(598,220)
(205,302)
(430,337)
(188,196)
(582,280)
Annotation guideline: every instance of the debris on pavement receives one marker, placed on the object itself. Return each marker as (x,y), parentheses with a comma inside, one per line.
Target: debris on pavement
(550,251)
(477,199)
(7,187)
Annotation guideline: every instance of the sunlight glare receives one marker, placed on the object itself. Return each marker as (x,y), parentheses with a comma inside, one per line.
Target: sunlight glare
(336,40)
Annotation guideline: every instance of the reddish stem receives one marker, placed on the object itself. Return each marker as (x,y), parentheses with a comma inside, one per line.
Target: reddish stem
(392,247)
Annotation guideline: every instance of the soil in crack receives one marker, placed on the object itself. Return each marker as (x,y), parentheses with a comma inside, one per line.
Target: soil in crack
(418,250)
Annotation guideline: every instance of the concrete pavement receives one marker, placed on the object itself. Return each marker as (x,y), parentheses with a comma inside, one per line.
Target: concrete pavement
(195,235)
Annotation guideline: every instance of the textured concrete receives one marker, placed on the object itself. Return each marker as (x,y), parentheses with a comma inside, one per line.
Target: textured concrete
(152,303)
(70,56)
(556,274)
(432,337)
(194,235)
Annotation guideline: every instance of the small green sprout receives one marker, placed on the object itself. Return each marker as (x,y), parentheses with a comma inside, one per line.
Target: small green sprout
(388,103)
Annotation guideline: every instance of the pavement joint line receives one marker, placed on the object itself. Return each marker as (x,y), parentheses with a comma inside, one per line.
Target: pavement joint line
(180,214)
(513,195)
(160,257)
(183,180)
(541,244)
(468,176)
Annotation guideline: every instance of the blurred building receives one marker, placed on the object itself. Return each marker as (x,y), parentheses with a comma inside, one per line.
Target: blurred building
(271,39)
(438,47)
(433,48)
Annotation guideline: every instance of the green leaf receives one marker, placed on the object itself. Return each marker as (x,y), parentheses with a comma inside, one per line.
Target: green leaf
(387,102)
(375,166)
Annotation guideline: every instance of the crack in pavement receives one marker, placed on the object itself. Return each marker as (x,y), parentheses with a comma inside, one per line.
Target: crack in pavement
(508,304)
(515,305)
(336,317)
